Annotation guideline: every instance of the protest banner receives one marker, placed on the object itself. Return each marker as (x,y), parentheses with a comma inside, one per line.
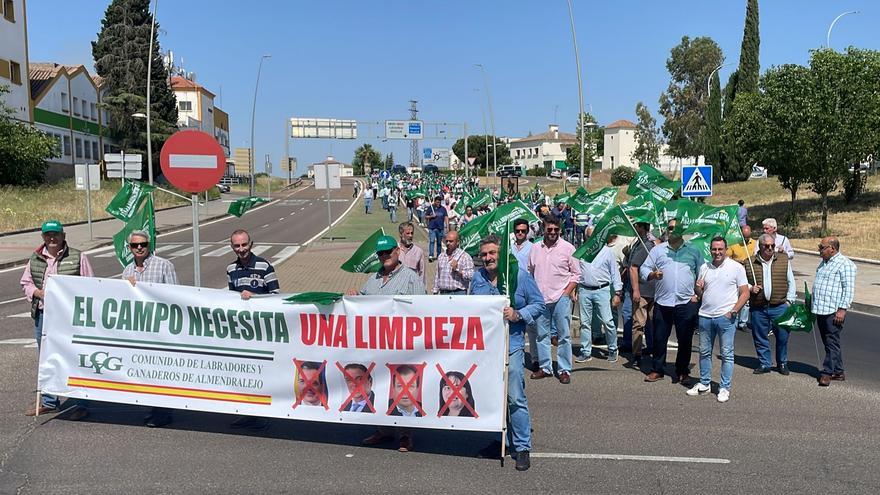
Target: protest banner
(441,358)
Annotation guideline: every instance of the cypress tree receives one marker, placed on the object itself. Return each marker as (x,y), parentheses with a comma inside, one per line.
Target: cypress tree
(749,65)
(713,126)
(120,54)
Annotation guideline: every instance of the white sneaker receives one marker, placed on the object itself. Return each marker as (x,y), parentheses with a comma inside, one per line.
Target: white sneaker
(698,389)
(723,395)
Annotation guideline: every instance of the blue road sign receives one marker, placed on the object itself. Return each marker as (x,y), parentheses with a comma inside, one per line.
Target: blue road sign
(384,175)
(415,128)
(427,153)
(696,181)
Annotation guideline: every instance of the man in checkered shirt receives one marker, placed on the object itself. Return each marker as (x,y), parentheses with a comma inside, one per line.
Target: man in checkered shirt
(832,297)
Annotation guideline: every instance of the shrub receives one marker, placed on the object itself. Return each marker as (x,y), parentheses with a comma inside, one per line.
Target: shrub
(622,175)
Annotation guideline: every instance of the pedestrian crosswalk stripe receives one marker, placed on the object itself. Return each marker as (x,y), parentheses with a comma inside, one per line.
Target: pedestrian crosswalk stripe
(284,254)
(222,251)
(185,252)
(259,249)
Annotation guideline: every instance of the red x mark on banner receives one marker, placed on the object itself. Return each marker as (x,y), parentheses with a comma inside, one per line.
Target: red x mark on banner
(405,391)
(456,391)
(358,386)
(310,385)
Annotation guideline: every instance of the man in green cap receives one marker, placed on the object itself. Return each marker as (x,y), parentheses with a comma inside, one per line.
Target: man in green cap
(393,279)
(52,257)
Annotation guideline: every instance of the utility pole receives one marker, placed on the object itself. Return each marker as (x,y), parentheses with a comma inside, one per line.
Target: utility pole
(414,143)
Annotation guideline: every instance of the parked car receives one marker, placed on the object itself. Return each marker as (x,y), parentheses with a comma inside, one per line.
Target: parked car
(223,188)
(758,172)
(575,178)
(862,167)
(556,173)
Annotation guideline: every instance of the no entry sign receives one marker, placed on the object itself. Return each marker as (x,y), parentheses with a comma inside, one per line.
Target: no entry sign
(192,160)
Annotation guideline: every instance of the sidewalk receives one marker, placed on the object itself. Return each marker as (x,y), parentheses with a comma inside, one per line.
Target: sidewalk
(15,249)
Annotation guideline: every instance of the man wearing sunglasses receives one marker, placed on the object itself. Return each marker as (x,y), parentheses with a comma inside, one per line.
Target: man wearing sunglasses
(149,268)
(832,296)
(772,291)
(783,245)
(557,274)
(521,249)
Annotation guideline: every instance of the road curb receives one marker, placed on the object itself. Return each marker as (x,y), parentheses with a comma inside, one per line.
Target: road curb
(853,258)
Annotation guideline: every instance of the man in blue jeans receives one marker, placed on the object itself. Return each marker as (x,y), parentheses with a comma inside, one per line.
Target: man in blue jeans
(528,305)
(557,273)
(724,290)
(773,290)
(596,302)
(438,223)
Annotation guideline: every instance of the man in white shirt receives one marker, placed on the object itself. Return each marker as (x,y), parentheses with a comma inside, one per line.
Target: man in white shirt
(783,245)
(594,299)
(724,290)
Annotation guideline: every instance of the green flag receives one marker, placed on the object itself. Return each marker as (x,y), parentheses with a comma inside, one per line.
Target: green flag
(470,235)
(649,178)
(798,317)
(492,223)
(561,198)
(240,206)
(703,222)
(144,219)
(127,201)
(614,221)
(316,298)
(364,259)
(593,204)
(508,267)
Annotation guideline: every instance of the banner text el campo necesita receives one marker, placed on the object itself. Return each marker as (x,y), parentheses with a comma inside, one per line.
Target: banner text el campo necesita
(420,361)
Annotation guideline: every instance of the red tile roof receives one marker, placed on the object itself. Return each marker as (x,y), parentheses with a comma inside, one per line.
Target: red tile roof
(621,124)
(184,84)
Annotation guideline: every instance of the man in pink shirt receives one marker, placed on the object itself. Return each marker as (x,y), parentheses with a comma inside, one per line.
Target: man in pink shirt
(410,254)
(557,274)
(53,257)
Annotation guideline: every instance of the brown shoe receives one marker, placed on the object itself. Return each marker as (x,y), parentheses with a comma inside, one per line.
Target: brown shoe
(653,377)
(565,378)
(537,375)
(79,414)
(839,377)
(554,340)
(824,380)
(376,439)
(406,444)
(683,378)
(34,411)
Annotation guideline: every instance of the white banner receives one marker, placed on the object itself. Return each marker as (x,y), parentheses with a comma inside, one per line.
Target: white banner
(420,361)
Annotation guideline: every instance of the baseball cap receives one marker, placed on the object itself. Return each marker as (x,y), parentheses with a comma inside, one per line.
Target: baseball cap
(52,226)
(385,243)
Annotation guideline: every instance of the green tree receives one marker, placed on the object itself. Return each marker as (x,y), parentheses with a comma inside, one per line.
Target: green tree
(648,138)
(24,149)
(594,142)
(713,127)
(749,69)
(389,161)
(684,103)
(477,148)
(121,54)
(366,156)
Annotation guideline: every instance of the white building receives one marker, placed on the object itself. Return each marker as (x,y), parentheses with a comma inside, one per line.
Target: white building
(345,169)
(195,105)
(14,58)
(66,105)
(621,143)
(542,150)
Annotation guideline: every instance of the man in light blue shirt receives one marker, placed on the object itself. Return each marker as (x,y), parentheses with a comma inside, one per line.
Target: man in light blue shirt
(833,291)
(594,297)
(674,265)
(521,248)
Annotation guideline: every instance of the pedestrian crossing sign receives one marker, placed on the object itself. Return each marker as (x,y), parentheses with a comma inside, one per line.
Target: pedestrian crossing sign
(696,181)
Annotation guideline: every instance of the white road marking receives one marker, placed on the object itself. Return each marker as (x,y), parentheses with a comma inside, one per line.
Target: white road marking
(20,315)
(259,249)
(223,251)
(280,219)
(264,226)
(24,342)
(13,300)
(621,457)
(292,213)
(169,247)
(187,251)
(284,254)
(319,234)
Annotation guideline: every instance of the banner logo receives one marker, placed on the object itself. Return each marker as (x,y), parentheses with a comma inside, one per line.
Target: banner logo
(100,361)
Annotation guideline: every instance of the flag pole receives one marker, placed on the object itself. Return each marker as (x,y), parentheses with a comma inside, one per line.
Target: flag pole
(634,229)
(746,248)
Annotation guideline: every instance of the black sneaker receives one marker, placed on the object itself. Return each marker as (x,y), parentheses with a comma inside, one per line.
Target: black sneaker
(761,370)
(522,461)
(783,369)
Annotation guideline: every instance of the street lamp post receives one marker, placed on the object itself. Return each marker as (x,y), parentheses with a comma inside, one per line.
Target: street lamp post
(492,121)
(253,114)
(711,74)
(577,63)
(589,125)
(149,80)
(828,35)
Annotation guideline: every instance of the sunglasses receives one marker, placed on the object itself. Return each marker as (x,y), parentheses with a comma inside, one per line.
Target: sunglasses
(135,245)
(386,252)
(551,230)
(823,248)
(521,231)
(771,246)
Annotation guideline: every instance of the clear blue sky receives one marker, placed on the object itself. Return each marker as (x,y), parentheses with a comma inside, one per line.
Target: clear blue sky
(364,60)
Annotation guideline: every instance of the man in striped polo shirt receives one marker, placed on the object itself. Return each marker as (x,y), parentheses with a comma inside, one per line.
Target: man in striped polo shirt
(249,274)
